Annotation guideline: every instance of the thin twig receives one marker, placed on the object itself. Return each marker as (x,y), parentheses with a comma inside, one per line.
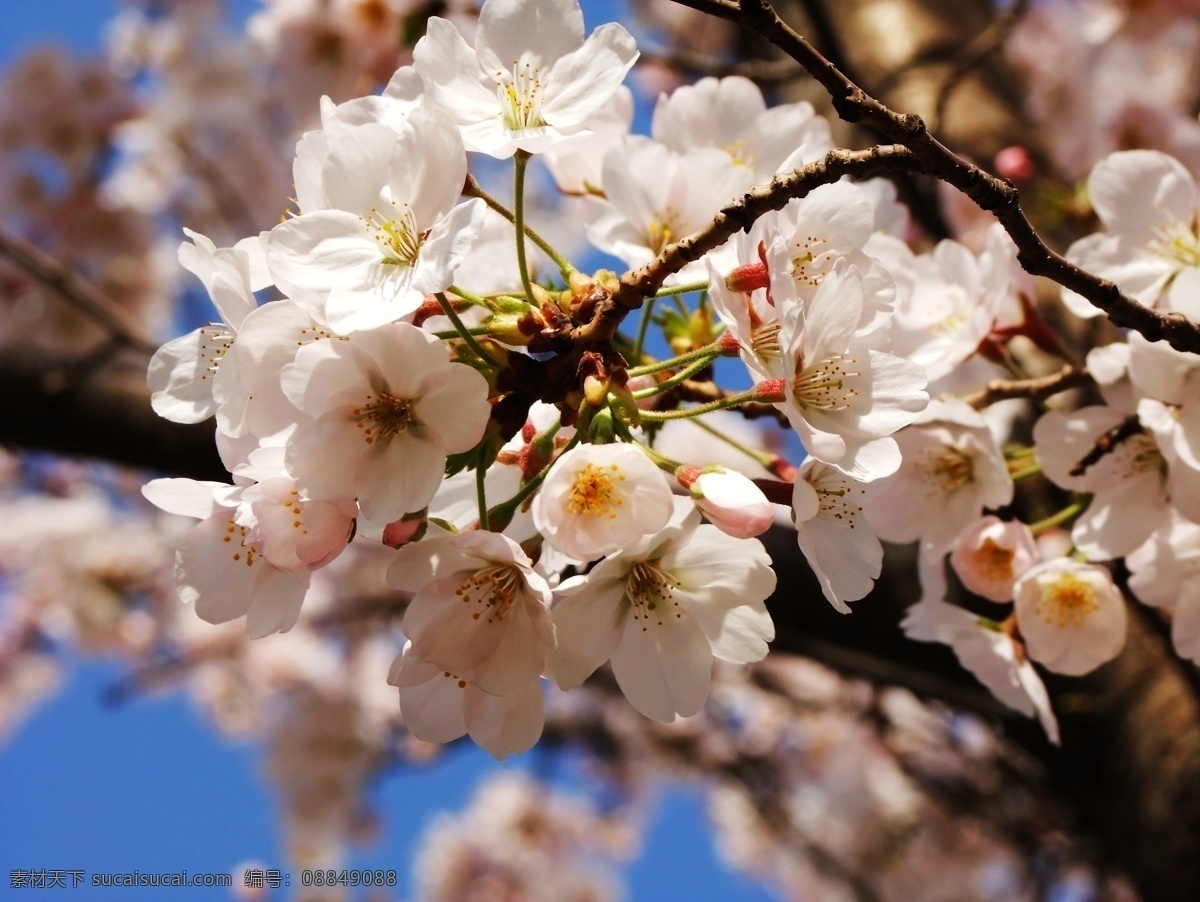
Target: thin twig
(761,71)
(975,53)
(737,216)
(1034,389)
(80,294)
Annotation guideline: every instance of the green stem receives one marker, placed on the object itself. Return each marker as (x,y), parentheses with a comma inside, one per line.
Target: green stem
(764,459)
(1067,513)
(667,384)
(520,160)
(1028,471)
(472,299)
(454,333)
(680,289)
(707,352)
(472,189)
(480,491)
(503,512)
(643,328)
(463,332)
(687,412)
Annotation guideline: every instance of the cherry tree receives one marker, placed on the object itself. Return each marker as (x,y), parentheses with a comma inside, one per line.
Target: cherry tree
(835,443)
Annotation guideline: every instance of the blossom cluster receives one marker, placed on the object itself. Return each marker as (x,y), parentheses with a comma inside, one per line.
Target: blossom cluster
(389,369)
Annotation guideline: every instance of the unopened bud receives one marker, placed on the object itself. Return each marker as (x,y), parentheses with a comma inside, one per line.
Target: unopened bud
(409,528)
(595,389)
(748,277)
(733,503)
(1015,164)
(771,391)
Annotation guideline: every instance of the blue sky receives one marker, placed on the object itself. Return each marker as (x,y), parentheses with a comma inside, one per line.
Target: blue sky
(149,786)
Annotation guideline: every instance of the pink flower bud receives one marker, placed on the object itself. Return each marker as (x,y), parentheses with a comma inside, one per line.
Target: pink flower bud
(408,528)
(991,555)
(1015,164)
(748,277)
(733,503)
(772,391)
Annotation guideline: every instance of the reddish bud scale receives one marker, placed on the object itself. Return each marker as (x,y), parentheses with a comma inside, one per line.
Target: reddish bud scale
(781,468)
(687,475)
(772,391)
(729,345)
(748,277)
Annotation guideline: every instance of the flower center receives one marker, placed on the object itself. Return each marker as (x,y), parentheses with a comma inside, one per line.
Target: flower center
(808,262)
(993,562)
(383,416)
(651,591)
(764,340)
(664,227)
(595,491)
(246,552)
(950,469)
(492,590)
(825,384)
(1067,601)
(520,95)
(397,235)
(215,340)
(1177,243)
(740,153)
(836,496)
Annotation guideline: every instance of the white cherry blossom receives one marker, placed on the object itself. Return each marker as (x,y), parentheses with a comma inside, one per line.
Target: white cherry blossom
(531,79)
(729,500)
(381,412)
(1149,204)
(992,554)
(1165,573)
(837,540)
(390,232)
(192,377)
(952,470)
(478,609)
(1071,616)
(661,610)
(599,498)
(440,706)
(845,399)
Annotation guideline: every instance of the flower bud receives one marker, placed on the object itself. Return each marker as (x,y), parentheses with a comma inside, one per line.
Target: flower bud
(409,528)
(748,277)
(733,503)
(991,555)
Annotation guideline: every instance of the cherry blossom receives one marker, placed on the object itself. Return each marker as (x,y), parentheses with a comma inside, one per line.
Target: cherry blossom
(1148,203)
(1071,616)
(599,498)
(391,231)
(531,79)
(845,399)
(838,542)
(381,411)
(991,554)
(478,609)
(662,609)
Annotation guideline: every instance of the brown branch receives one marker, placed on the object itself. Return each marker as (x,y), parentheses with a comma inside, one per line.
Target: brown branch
(1033,389)
(79,293)
(734,217)
(996,196)
(100,408)
(1107,443)
(761,71)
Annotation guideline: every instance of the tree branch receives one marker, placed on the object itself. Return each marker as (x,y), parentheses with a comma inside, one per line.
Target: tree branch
(734,217)
(998,197)
(75,290)
(1033,389)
